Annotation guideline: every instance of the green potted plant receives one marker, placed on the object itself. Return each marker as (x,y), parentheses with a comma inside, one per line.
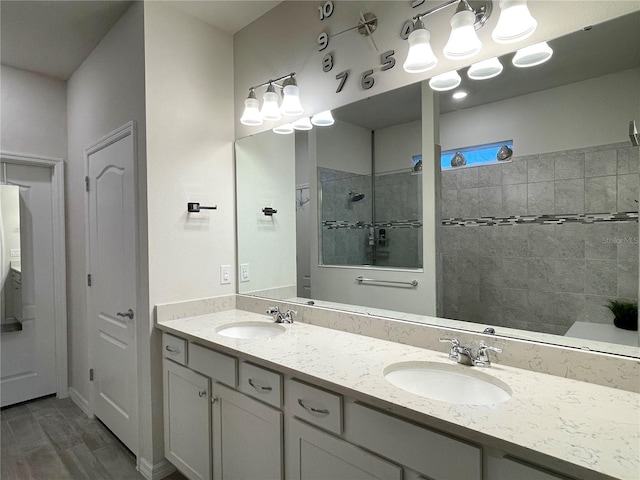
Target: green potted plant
(625,314)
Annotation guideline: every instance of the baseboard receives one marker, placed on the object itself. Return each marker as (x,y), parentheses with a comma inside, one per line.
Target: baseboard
(79,400)
(157,471)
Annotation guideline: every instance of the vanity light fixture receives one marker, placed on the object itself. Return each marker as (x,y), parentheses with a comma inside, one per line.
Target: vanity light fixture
(485,69)
(420,57)
(515,22)
(303,123)
(445,81)
(291,106)
(459,95)
(251,115)
(323,119)
(532,55)
(463,42)
(270,110)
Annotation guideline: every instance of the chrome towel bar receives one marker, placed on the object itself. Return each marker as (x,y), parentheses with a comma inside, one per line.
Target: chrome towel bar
(361,279)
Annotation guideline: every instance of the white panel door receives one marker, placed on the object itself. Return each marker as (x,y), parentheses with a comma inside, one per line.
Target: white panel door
(28,363)
(112,293)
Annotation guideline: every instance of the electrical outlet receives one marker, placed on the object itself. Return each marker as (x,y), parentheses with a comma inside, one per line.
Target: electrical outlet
(15,252)
(244,272)
(225,274)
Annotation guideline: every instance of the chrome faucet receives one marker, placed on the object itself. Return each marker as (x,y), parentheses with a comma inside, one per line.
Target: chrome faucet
(279,317)
(464,355)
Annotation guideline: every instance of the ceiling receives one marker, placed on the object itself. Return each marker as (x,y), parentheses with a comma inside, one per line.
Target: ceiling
(54,37)
(605,48)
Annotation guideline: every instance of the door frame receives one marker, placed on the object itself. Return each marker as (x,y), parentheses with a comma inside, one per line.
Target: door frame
(59,258)
(128,129)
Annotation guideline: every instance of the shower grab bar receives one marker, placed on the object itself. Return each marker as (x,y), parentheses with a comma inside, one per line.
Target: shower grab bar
(361,279)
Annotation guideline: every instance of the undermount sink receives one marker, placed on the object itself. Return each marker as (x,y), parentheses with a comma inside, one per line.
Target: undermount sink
(448,383)
(251,330)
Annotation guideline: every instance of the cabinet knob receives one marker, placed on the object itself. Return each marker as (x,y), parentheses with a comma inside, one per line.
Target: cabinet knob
(202,393)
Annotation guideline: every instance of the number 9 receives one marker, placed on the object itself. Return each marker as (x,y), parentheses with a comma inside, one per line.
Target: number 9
(323,41)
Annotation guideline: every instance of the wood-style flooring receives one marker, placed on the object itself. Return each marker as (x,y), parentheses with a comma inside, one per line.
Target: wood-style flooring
(53,439)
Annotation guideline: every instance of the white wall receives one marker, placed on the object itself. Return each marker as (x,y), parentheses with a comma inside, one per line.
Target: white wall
(582,114)
(345,147)
(396,145)
(265,169)
(285,40)
(104,93)
(189,90)
(33,113)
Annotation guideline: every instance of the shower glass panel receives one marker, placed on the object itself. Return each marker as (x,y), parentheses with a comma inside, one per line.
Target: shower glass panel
(383,228)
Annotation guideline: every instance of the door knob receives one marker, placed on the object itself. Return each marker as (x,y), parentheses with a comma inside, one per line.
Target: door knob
(128,313)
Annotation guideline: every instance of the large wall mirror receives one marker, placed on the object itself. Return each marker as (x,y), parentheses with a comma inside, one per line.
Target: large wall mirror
(534,245)
(10,259)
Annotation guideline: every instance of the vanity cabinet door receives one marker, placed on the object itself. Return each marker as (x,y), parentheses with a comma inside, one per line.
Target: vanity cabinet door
(247,437)
(187,435)
(315,455)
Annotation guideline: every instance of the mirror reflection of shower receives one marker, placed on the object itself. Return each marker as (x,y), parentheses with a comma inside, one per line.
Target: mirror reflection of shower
(355,197)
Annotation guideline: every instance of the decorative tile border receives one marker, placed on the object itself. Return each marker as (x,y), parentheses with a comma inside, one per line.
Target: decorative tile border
(336,224)
(586,218)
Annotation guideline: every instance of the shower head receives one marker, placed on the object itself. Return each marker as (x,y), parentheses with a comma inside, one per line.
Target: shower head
(355,197)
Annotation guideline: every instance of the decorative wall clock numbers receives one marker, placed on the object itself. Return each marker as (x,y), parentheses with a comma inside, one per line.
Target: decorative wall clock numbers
(367,24)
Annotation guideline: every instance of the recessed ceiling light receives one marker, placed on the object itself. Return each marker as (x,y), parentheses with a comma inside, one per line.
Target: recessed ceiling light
(459,95)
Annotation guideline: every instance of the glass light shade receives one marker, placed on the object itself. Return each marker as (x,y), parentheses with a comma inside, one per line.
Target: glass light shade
(532,55)
(323,119)
(463,42)
(283,129)
(459,95)
(485,69)
(420,57)
(291,105)
(445,81)
(251,115)
(515,22)
(302,124)
(270,109)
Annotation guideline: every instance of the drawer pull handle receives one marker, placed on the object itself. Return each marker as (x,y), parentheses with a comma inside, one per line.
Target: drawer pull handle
(202,393)
(259,388)
(171,349)
(313,410)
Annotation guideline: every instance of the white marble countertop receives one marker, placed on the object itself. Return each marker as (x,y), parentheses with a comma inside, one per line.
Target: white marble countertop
(587,430)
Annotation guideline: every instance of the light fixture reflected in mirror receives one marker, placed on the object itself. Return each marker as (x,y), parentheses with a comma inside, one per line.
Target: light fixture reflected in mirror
(323,119)
(445,81)
(251,115)
(485,69)
(463,42)
(420,57)
(302,124)
(515,22)
(532,55)
(284,129)
(459,95)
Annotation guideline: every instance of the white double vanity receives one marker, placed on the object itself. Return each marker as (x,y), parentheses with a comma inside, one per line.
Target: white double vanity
(245,398)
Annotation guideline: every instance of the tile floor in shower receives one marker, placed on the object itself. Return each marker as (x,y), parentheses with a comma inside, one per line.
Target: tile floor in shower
(53,439)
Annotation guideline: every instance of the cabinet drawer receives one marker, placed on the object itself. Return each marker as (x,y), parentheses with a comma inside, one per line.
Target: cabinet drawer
(434,455)
(261,383)
(316,406)
(174,348)
(215,365)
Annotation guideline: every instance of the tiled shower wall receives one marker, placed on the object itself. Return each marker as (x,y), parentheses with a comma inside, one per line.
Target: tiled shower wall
(533,275)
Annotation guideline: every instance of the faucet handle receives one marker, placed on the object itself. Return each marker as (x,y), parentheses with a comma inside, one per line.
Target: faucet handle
(455,343)
(482,356)
(273,310)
